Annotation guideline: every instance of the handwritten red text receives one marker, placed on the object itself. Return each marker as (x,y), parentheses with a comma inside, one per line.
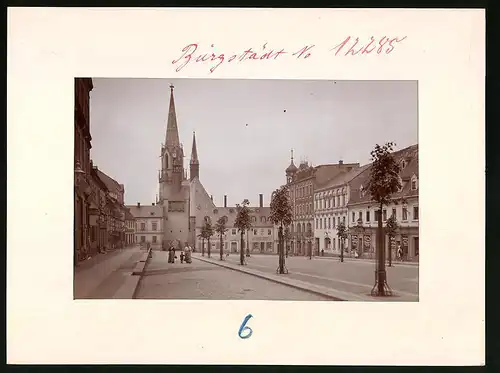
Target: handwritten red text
(353,46)
(190,54)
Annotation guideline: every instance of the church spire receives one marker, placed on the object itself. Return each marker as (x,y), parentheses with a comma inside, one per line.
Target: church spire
(194,164)
(194,151)
(172,135)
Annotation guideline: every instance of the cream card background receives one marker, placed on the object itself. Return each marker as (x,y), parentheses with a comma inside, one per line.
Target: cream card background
(444,51)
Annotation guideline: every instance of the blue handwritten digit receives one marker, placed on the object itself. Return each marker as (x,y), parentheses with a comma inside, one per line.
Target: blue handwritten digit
(243,327)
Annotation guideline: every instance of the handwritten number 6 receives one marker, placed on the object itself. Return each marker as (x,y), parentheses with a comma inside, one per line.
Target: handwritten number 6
(243,327)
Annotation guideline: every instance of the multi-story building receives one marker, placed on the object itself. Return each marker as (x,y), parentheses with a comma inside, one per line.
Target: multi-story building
(82,146)
(302,182)
(99,213)
(259,239)
(116,211)
(149,228)
(363,211)
(129,228)
(330,209)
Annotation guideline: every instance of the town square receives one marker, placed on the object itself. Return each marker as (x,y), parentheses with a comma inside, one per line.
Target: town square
(336,229)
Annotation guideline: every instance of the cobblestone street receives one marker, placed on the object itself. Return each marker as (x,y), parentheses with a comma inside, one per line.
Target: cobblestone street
(200,280)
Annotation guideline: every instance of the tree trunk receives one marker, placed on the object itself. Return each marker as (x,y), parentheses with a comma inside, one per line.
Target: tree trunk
(221,246)
(208,248)
(242,248)
(381,274)
(341,249)
(203,247)
(281,263)
(390,251)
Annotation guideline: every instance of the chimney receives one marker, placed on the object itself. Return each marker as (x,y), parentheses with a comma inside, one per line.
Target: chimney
(225,200)
(261,200)
(138,204)
(341,162)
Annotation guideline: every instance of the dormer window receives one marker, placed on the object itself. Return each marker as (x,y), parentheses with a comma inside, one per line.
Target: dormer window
(414,183)
(403,164)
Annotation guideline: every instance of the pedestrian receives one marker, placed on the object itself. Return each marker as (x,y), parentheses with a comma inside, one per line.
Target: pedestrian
(400,253)
(182,256)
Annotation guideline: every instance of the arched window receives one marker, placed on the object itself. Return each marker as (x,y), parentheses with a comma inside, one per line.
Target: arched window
(254,219)
(262,219)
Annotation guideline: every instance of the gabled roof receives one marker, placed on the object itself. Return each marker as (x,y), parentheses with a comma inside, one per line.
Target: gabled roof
(112,185)
(342,178)
(410,156)
(128,214)
(147,211)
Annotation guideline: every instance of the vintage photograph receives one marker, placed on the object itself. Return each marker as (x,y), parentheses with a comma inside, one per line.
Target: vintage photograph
(225,189)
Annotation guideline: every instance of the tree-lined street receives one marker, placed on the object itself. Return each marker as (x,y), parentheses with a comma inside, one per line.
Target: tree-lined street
(350,276)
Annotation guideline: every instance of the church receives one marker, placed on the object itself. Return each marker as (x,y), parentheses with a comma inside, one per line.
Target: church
(183,205)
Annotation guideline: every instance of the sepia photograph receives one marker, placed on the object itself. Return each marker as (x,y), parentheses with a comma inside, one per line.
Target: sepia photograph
(226,189)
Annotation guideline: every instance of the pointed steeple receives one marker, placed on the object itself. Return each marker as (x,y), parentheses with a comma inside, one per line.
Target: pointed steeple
(172,135)
(194,151)
(194,164)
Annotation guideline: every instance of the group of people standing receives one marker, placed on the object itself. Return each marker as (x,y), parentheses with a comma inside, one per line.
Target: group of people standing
(185,255)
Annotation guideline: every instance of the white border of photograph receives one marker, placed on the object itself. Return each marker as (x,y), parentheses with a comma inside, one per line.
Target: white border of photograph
(444,50)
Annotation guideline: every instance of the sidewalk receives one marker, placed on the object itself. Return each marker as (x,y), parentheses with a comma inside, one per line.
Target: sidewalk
(102,276)
(348,258)
(333,294)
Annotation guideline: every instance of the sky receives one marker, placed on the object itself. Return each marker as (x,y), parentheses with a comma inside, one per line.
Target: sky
(245,129)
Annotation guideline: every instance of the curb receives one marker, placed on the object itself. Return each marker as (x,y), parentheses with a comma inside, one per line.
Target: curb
(323,291)
(129,289)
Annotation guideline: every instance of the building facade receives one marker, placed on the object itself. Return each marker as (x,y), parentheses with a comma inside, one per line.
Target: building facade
(404,206)
(302,182)
(82,187)
(129,228)
(149,225)
(261,238)
(330,209)
(115,208)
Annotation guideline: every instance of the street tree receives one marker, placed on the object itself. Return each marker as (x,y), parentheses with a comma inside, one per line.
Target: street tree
(342,235)
(382,184)
(209,232)
(202,235)
(391,228)
(243,224)
(221,229)
(281,215)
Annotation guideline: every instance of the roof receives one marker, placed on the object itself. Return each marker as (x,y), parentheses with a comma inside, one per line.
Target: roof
(111,184)
(292,168)
(327,172)
(128,214)
(231,212)
(147,211)
(410,156)
(342,178)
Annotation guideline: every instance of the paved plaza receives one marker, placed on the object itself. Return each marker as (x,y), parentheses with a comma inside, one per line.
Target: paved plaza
(351,276)
(201,280)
